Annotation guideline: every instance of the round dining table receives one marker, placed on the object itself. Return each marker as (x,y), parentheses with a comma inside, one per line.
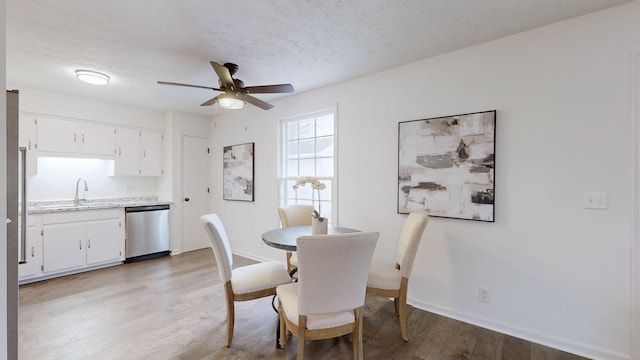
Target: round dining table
(285,238)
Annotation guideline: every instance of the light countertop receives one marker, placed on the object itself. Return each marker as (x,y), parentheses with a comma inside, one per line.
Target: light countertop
(39,207)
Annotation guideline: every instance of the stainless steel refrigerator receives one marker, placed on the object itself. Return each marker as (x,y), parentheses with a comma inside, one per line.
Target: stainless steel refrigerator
(16,217)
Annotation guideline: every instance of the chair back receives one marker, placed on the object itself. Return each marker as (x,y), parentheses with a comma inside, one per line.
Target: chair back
(332,271)
(219,243)
(410,237)
(295,215)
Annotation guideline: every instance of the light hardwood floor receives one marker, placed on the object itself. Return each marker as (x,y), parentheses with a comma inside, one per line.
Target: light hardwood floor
(174,308)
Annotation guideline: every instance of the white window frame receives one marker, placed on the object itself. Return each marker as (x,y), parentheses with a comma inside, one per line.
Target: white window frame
(283,180)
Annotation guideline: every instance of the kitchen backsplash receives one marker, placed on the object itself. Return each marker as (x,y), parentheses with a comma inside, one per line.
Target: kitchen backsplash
(57,177)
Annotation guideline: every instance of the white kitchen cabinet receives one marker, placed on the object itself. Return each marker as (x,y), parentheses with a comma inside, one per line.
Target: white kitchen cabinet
(75,138)
(77,241)
(101,246)
(97,139)
(33,253)
(127,151)
(138,152)
(63,246)
(27,137)
(151,153)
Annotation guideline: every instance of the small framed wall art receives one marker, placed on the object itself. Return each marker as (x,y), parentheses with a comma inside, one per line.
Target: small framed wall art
(446,166)
(237,172)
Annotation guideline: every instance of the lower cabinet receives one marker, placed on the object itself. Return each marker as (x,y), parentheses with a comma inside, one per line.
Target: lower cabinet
(77,241)
(33,250)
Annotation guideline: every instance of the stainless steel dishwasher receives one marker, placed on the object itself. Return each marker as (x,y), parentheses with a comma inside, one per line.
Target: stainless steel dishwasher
(147,232)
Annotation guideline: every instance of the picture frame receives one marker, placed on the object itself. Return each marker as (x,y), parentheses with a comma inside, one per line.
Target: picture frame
(446,166)
(238,172)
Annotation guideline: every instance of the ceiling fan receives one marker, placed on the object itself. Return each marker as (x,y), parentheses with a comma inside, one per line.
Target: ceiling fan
(235,93)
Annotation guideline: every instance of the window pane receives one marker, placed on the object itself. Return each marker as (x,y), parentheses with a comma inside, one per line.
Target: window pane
(324,125)
(292,168)
(292,150)
(325,195)
(307,128)
(324,146)
(304,192)
(291,130)
(307,167)
(324,167)
(307,148)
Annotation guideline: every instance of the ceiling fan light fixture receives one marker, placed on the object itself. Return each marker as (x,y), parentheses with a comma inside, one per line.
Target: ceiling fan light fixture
(231,103)
(92,77)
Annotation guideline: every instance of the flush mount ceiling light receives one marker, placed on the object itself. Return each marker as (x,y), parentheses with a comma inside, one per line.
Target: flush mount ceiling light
(92,77)
(230,103)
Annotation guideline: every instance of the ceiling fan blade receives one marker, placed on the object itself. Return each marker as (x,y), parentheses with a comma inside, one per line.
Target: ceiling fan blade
(265,89)
(188,85)
(211,101)
(225,76)
(254,101)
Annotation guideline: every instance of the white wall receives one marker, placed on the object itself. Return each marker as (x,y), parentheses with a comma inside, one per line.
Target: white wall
(178,126)
(558,274)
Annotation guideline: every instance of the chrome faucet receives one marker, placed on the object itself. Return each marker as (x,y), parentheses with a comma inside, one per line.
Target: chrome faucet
(76,200)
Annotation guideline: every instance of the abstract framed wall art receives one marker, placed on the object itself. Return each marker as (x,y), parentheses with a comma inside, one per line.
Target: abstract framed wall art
(237,172)
(446,166)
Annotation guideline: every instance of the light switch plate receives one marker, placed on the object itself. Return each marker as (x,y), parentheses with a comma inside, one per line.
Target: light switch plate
(595,200)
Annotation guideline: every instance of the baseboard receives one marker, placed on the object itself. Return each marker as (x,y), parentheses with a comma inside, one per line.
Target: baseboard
(251,256)
(560,344)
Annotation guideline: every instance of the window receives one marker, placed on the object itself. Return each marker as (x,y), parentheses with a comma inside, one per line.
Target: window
(307,149)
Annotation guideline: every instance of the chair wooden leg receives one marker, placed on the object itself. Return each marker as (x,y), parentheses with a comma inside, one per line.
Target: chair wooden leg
(230,311)
(395,304)
(283,327)
(357,336)
(302,327)
(402,309)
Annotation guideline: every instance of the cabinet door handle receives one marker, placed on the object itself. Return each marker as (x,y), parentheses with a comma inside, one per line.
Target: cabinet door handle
(75,137)
(119,151)
(80,244)
(88,243)
(33,252)
(83,138)
(144,153)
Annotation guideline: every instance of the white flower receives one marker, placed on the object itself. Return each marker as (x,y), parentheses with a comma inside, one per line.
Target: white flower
(316,185)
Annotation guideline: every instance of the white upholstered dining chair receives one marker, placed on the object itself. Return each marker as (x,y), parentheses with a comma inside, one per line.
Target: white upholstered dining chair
(243,283)
(391,279)
(294,215)
(328,299)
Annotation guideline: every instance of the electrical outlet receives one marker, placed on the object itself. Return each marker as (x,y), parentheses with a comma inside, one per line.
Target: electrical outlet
(595,200)
(484,295)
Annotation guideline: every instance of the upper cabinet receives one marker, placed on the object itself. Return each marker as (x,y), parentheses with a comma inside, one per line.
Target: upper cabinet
(135,151)
(27,138)
(138,152)
(151,153)
(70,137)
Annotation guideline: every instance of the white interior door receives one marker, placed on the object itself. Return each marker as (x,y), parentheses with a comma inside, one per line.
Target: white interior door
(195,191)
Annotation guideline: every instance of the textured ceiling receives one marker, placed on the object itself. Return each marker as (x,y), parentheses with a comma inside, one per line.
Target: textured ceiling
(308,43)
